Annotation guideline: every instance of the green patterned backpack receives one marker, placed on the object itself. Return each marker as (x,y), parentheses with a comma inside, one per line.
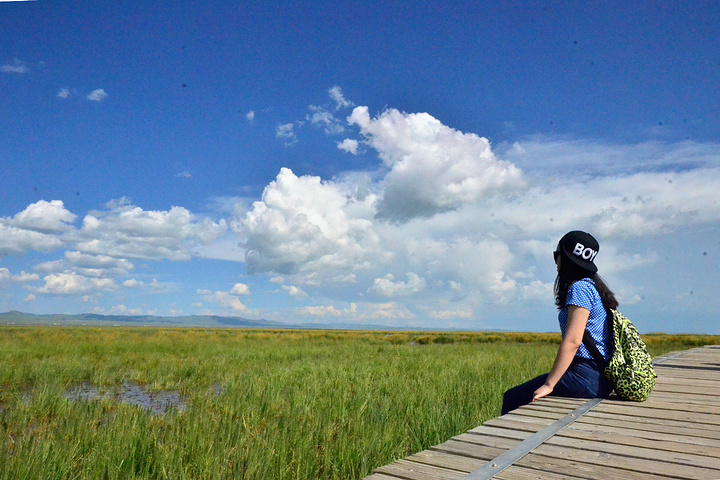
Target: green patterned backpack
(630,368)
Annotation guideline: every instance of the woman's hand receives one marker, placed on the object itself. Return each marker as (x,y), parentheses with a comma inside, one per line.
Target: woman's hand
(541,392)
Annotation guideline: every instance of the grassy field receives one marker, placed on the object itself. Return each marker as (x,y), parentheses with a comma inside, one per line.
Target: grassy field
(256,404)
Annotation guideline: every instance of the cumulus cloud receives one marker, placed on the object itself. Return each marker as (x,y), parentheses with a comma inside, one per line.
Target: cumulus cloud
(348,145)
(36,228)
(16,66)
(250,116)
(224,299)
(95,265)
(17,241)
(64,93)
(304,225)
(24,277)
(387,287)
(240,289)
(126,231)
(294,291)
(97,95)
(71,283)
(45,217)
(433,168)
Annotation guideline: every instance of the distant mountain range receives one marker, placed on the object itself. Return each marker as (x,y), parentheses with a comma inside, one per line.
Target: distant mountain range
(93,319)
(206,321)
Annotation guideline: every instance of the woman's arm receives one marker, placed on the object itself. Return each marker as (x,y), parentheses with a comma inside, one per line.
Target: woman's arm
(577,320)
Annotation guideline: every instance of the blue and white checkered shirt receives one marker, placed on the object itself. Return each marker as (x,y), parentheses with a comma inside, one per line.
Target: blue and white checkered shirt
(583,294)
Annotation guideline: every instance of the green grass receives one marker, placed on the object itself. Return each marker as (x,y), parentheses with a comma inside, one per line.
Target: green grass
(292,405)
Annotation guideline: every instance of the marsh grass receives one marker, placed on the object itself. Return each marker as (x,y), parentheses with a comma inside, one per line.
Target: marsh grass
(260,404)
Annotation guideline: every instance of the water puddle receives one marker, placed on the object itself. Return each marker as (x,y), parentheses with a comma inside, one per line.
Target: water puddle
(157,403)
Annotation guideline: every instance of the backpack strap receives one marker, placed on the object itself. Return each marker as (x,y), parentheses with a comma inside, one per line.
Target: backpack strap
(593,349)
(590,342)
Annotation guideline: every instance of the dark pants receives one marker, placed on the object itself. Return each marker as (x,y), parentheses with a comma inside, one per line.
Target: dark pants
(582,379)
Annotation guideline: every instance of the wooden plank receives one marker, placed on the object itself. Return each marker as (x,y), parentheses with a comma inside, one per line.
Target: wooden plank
(468,465)
(657,442)
(380,476)
(447,460)
(674,436)
(619,427)
(464,449)
(608,445)
(408,470)
(599,470)
(699,371)
(596,458)
(664,413)
(522,473)
(647,424)
(685,397)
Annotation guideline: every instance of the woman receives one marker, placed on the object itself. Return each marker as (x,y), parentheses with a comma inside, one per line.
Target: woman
(582,298)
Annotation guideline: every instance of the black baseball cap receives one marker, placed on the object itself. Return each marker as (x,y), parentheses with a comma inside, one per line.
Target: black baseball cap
(580,248)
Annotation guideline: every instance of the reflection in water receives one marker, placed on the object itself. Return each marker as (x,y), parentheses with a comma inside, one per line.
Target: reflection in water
(131,393)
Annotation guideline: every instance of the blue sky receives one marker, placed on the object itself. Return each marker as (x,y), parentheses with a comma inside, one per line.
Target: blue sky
(382,163)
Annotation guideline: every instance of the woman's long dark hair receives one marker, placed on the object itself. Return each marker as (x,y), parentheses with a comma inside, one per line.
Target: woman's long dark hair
(570,273)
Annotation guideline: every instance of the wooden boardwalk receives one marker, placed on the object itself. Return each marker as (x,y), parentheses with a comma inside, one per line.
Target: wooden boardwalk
(674,434)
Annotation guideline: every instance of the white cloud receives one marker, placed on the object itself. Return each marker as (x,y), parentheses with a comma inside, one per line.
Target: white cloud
(97,95)
(349,145)
(127,231)
(4,275)
(340,101)
(30,298)
(16,67)
(451,314)
(433,168)
(250,116)
(105,262)
(132,283)
(287,132)
(35,229)
(71,283)
(388,313)
(583,159)
(294,291)
(64,93)
(25,277)
(240,289)
(45,217)
(224,299)
(184,174)
(321,117)
(351,278)
(303,225)
(388,288)
(319,311)
(18,241)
